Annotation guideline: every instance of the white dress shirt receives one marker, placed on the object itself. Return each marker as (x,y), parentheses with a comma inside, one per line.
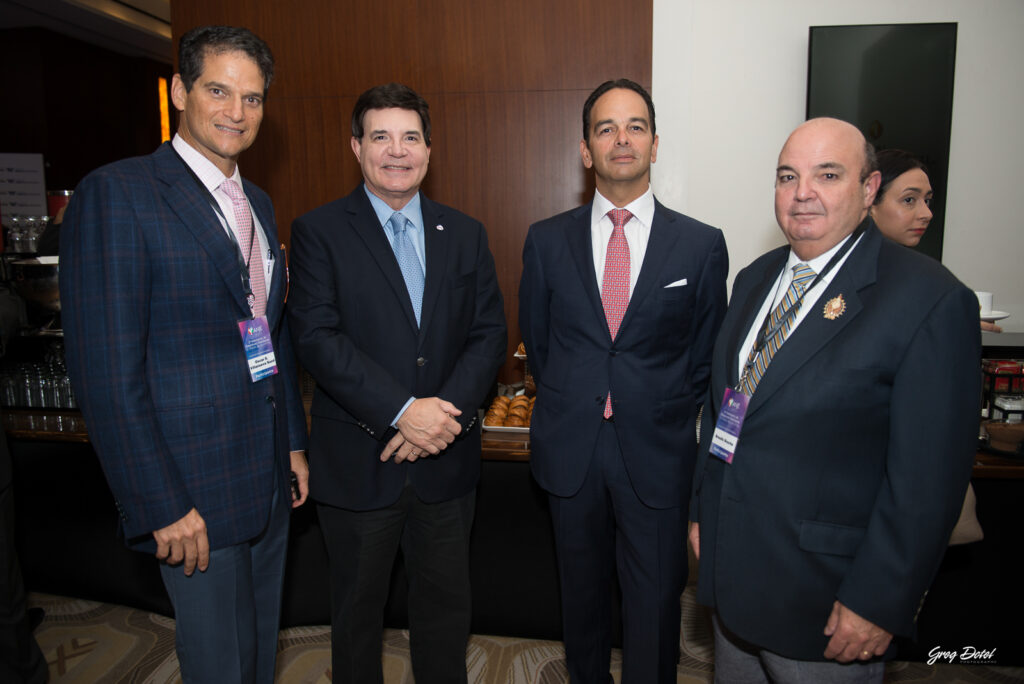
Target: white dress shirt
(212,177)
(637,230)
(782,283)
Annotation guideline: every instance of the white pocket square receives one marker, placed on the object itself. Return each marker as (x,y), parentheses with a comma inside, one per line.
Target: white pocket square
(678,283)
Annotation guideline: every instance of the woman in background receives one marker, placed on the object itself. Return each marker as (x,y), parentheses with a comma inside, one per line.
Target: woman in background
(902,208)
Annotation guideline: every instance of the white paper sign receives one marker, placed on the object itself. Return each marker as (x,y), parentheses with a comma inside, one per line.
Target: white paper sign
(22,186)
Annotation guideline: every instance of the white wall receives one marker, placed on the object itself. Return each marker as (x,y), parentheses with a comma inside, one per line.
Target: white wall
(729,84)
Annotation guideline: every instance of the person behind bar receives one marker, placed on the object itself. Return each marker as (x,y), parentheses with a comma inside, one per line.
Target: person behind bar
(840,432)
(397,315)
(619,304)
(173,284)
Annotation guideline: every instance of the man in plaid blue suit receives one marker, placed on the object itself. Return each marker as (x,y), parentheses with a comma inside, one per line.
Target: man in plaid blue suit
(157,292)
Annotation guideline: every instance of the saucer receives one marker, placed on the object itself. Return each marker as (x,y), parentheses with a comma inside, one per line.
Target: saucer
(992,316)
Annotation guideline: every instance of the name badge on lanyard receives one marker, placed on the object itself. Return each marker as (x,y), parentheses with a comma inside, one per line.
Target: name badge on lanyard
(730,421)
(259,347)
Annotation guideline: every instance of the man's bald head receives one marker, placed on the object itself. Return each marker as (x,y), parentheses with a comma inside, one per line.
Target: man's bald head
(824,184)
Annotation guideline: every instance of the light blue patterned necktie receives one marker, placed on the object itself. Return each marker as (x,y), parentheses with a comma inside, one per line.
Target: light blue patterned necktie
(405,253)
(758,362)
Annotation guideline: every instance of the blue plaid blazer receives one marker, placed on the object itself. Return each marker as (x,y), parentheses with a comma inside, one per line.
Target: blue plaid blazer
(152,296)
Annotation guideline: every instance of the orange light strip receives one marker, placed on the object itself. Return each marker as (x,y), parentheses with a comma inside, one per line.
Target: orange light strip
(165,117)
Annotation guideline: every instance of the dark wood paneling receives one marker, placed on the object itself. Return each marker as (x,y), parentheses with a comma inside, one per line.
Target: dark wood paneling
(506,84)
(79,105)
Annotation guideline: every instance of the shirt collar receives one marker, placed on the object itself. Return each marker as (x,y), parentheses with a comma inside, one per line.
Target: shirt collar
(819,262)
(412,210)
(642,207)
(206,170)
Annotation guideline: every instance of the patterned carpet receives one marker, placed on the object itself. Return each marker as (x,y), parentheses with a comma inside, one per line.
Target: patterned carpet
(90,642)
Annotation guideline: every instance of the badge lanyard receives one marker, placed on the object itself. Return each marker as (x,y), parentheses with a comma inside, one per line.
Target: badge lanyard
(726,436)
(257,340)
(243,260)
(769,331)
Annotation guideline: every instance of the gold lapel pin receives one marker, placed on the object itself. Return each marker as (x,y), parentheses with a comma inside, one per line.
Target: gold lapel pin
(834,308)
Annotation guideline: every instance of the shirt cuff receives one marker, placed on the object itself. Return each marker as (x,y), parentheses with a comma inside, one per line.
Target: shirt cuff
(399,415)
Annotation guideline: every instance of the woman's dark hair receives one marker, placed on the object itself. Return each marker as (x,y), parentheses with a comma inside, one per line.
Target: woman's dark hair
(893,164)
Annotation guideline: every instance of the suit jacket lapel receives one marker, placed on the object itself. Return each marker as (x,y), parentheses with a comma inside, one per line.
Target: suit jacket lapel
(366,225)
(436,246)
(582,251)
(750,308)
(184,197)
(660,243)
(815,331)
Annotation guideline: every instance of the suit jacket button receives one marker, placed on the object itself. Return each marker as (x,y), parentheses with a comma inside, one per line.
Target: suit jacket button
(421,361)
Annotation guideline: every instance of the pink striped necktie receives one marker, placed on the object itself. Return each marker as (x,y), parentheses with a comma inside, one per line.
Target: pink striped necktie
(245,233)
(615,283)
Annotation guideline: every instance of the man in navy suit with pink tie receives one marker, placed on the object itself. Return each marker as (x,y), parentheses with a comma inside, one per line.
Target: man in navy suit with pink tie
(619,305)
(173,284)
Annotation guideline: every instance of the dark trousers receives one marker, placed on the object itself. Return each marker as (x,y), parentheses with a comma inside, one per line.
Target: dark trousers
(361,548)
(605,525)
(227,618)
(20,657)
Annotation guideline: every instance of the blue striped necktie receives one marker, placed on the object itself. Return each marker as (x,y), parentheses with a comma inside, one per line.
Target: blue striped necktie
(758,362)
(405,254)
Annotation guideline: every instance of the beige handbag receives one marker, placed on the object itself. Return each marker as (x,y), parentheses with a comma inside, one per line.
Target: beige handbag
(967,529)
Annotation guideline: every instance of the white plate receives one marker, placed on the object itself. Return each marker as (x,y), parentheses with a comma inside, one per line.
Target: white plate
(502,428)
(994,316)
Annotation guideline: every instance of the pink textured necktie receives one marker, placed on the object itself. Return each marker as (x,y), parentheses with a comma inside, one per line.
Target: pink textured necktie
(615,283)
(245,233)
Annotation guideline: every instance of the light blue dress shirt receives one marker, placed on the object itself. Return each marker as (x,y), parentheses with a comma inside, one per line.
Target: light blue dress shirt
(413,212)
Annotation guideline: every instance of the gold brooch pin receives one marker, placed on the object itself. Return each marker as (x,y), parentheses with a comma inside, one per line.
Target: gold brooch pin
(834,308)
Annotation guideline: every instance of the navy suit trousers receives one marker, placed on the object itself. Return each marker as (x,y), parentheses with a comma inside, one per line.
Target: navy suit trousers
(227,618)
(605,525)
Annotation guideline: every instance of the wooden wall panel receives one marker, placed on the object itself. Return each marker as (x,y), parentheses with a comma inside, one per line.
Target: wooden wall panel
(506,84)
(61,101)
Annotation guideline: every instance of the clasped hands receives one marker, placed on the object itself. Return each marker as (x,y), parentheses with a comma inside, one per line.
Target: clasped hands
(428,426)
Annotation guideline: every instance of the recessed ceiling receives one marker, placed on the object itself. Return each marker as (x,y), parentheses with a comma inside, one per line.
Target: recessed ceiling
(131,27)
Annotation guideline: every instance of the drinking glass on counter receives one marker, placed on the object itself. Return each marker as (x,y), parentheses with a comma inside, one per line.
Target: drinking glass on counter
(36,385)
(23,235)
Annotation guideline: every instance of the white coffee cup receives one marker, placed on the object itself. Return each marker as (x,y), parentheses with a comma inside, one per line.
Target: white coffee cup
(984,302)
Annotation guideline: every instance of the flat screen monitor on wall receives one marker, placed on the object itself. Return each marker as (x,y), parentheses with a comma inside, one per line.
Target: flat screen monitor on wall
(895,83)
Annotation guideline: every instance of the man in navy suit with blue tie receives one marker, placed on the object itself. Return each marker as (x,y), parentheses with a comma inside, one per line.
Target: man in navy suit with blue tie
(397,315)
(619,304)
(173,284)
